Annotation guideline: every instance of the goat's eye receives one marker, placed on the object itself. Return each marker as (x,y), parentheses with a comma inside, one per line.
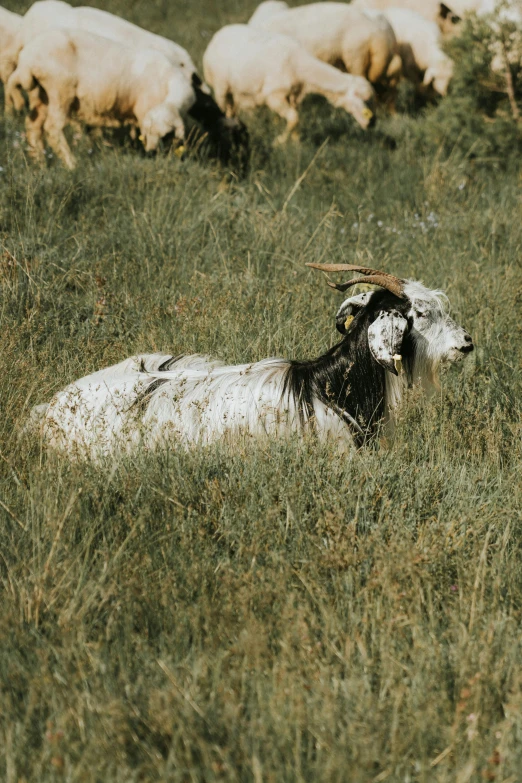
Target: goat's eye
(420,314)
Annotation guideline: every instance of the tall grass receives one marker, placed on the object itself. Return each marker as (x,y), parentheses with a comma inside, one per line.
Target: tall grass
(261,612)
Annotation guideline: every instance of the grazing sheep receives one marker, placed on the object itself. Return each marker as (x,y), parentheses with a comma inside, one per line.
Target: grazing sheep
(9,25)
(336,33)
(446,17)
(248,67)
(507,11)
(138,88)
(423,61)
(392,338)
(46,14)
(228,138)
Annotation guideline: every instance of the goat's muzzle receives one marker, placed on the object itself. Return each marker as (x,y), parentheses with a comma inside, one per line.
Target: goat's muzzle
(468,346)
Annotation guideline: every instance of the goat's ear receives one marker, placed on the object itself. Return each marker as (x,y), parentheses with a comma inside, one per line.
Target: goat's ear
(385,337)
(349,309)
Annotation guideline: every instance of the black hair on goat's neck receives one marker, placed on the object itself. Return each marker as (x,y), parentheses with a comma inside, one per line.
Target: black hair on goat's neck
(347,378)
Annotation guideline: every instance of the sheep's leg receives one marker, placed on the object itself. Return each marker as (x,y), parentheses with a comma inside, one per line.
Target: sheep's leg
(281,106)
(15,100)
(13,97)
(54,124)
(230,109)
(34,123)
(178,127)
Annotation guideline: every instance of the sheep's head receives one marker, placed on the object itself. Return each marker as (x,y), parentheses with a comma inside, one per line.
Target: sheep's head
(159,123)
(448,20)
(165,118)
(359,101)
(404,320)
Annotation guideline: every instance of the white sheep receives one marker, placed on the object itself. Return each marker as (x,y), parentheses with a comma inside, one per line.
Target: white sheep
(9,25)
(510,10)
(418,40)
(140,88)
(336,33)
(47,14)
(446,16)
(248,67)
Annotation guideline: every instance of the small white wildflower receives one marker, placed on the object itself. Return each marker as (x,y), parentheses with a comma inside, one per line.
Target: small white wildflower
(462,186)
(380,223)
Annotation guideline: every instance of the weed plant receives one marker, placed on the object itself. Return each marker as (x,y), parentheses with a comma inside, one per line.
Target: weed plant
(264,612)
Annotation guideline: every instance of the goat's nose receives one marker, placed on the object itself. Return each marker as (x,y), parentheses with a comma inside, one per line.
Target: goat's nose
(468,347)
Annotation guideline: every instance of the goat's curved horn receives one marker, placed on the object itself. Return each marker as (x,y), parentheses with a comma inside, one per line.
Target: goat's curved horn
(393,284)
(365,270)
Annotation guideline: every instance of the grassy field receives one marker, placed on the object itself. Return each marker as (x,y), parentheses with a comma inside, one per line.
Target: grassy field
(268,612)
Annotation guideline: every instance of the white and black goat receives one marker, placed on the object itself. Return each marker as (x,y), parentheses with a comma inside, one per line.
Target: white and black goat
(392,338)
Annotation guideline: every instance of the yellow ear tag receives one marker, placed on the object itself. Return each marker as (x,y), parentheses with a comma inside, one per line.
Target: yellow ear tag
(367,113)
(141,137)
(179,151)
(348,322)
(397,363)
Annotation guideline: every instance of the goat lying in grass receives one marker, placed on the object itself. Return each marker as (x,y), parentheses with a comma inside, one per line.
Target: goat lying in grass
(392,338)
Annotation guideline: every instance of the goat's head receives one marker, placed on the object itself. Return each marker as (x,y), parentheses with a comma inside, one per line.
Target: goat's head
(403,320)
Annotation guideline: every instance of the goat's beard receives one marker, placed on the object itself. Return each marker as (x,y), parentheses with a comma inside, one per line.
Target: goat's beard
(452,357)
(421,371)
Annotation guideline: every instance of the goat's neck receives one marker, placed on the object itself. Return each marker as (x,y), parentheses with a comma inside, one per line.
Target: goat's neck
(347,379)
